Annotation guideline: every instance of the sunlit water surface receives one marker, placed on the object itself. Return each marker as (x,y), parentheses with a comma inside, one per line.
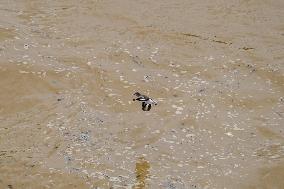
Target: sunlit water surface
(68,70)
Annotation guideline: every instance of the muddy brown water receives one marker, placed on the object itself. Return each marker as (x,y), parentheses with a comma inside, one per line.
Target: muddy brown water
(68,70)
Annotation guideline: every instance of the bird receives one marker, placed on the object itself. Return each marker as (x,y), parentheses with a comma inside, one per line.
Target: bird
(147,102)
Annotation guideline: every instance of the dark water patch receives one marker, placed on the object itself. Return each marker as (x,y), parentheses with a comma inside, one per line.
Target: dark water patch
(268,178)
(268,133)
(6,34)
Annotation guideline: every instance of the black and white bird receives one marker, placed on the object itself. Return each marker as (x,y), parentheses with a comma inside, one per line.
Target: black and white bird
(146,101)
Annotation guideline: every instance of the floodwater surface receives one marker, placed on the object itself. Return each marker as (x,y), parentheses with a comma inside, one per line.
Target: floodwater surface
(68,71)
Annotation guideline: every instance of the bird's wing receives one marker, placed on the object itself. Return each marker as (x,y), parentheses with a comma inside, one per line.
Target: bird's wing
(142,98)
(137,94)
